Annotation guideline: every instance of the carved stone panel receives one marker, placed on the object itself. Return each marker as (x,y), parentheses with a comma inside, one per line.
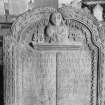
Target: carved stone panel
(58,76)
(39,80)
(55,59)
(74,78)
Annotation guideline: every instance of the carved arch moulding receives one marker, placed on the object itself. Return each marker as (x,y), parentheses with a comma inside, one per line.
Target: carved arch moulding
(49,34)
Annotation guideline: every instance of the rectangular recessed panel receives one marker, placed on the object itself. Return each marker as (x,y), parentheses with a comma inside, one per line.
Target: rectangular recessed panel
(73,78)
(48,78)
(39,84)
(58,77)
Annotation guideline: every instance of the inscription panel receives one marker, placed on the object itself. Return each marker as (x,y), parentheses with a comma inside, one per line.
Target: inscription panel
(74,78)
(39,80)
(48,78)
(58,77)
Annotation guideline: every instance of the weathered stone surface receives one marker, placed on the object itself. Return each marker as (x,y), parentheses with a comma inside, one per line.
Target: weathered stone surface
(39,80)
(74,78)
(41,72)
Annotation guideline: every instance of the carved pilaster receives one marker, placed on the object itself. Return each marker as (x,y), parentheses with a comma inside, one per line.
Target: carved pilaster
(102,64)
(8,73)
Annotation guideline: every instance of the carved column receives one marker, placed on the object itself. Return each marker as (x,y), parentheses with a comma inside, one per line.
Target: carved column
(8,71)
(102,75)
(102,65)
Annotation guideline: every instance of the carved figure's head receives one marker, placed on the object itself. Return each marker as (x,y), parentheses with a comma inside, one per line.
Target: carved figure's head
(56,18)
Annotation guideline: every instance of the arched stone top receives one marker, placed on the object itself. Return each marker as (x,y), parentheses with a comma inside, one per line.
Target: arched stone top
(29,17)
(84,17)
(39,22)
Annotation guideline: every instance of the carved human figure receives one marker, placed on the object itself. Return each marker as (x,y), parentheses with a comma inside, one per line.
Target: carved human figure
(56,31)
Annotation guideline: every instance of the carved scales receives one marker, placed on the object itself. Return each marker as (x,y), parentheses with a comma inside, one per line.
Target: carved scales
(54,59)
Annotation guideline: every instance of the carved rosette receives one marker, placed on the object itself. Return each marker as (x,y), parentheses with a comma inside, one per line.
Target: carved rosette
(66,27)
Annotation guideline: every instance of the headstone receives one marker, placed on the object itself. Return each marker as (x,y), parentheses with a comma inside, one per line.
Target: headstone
(55,60)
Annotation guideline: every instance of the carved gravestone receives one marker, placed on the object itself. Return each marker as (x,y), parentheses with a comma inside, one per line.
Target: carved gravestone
(53,59)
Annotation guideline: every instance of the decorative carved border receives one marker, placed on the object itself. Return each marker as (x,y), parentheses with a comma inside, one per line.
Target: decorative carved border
(67,12)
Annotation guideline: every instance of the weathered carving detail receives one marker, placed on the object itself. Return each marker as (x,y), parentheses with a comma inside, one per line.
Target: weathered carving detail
(56,31)
(76,31)
(50,27)
(38,35)
(9,62)
(83,17)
